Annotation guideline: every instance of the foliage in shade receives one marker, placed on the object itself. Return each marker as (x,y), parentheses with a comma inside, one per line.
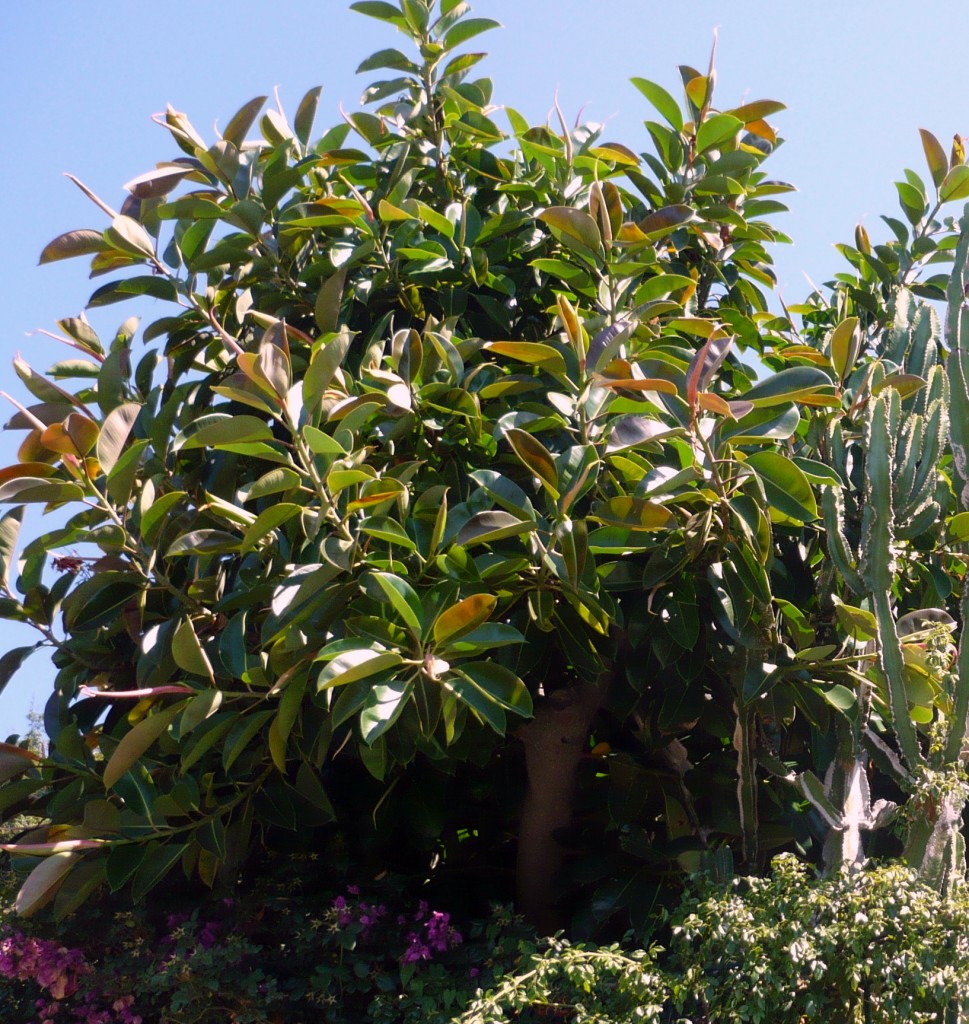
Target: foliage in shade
(468,489)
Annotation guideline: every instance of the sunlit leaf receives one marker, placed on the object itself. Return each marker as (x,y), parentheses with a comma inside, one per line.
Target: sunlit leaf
(137,742)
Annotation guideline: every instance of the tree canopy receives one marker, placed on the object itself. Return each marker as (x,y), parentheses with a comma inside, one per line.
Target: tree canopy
(471,506)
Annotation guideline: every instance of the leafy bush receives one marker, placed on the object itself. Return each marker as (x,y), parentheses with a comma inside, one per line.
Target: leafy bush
(876,946)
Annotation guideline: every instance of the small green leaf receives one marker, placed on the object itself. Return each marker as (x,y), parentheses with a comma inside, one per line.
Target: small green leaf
(857,623)
(468,29)
(955,185)
(661,100)
(128,236)
(716,130)
(401,596)
(188,652)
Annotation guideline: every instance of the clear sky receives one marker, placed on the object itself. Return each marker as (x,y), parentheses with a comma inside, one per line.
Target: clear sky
(81,80)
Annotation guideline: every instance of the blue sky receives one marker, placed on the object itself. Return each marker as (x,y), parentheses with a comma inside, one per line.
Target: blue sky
(81,80)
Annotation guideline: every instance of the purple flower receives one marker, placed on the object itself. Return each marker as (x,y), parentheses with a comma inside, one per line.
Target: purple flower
(416,950)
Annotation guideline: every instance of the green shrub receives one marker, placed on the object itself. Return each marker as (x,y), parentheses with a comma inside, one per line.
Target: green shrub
(874,946)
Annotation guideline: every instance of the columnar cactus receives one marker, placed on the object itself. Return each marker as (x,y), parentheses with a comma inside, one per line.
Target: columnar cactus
(905,441)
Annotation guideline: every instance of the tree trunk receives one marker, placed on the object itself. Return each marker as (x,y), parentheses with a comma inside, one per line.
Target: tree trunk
(554,742)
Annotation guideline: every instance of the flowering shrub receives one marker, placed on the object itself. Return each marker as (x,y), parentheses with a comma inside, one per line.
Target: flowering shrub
(60,973)
(277,956)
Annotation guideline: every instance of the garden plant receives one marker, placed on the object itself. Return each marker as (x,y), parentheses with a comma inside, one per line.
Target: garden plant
(469,522)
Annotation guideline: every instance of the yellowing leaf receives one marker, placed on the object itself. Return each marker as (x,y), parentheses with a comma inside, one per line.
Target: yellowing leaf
(43,882)
(136,741)
(464,616)
(568,223)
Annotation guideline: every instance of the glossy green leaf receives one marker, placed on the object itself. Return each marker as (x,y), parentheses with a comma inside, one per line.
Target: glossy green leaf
(157,862)
(203,542)
(242,733)
(498,684)
(716,130)
(188,652)
(661,100)
(128,236)
(667,219)
(845,346)
(787,488)
(467,29)
(218,430)
(16,760)
(268,520)
(276,481)
(354,665)
(382,708)
(10,523)
(955,185)
(488,527)
(857,622)
(401,597)
(808,385)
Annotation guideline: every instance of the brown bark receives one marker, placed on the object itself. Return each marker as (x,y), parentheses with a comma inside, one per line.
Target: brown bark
(554,742)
